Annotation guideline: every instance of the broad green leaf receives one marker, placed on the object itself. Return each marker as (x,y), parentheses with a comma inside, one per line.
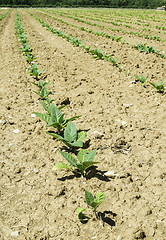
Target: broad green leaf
(77,144)
(51,107)
(61,118)
(70,132)
(69,158)
(71,119)
(44,117)
(55,114)
(94,205)
(89,197)
(53,124)
(55,135)
(61,165)
(98,200)
(100,196)
(90,156)
(85,165)
(81,155)
(44,92)
(82,135)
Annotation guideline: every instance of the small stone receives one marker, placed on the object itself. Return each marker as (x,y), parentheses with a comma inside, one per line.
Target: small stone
(35,170)
(15,234)
(111,174)
(124,123)
(55,150)
(98,134)
(16,131)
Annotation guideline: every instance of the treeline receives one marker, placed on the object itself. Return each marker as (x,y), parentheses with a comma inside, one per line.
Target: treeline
(84,3)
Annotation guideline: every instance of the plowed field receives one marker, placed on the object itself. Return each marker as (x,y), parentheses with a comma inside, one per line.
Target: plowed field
(125,122)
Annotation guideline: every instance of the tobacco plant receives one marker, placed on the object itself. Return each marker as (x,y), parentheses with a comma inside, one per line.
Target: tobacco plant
(40,84)
(43,93)
(71,138)
(159,87)
(54,117)
(93,202)
(83,162)
(33,70)
(142,79)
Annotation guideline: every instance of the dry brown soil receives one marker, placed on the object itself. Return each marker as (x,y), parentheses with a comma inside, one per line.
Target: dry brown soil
(125,122)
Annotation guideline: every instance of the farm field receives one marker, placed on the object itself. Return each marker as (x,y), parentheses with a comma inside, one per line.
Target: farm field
(91,58)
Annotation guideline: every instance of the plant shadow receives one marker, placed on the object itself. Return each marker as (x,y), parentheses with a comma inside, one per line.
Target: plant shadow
(90,173)
(93,172)
(106,219)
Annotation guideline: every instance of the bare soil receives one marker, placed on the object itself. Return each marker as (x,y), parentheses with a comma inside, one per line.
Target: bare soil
(124,121)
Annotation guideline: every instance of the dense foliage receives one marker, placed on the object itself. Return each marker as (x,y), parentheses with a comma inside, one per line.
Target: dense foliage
(85,3)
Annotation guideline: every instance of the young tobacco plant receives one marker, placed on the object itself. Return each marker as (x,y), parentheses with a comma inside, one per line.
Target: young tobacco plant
(159,87)
(41,84)
(142,79)
(33,70)
(93,202)
(85,161)
(71,138)
(54,117)
(29,57)
(43,93)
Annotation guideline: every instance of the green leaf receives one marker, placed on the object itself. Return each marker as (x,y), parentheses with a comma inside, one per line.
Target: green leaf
(42,116)
(69,158)
(95,205)
(61,165)
(70,132)
(81,155)
(76,144)
(71,119)
(90,156)
(89,197)
(44,92)
(56,114)
(82,135)
(100,196)
(55,135)
(85,165)
(98,200)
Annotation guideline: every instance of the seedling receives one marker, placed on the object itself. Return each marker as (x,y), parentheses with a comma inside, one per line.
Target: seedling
(54,117)
(97,53)
(26,48)
(29,57)
(112,60)
(85,161)
(43,93)
(34,71)
(93,202)
(81,215)
(41,84)
(71,138)
(142,79)
(160,87)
